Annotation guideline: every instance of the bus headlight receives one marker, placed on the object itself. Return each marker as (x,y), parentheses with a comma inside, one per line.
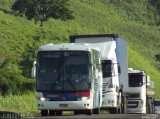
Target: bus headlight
(83,98)
(43,99)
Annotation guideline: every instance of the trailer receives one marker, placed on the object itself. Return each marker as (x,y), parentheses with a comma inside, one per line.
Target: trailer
(141,91)
(114,60)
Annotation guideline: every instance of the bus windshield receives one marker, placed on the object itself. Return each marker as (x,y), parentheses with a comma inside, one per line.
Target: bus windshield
(63,71)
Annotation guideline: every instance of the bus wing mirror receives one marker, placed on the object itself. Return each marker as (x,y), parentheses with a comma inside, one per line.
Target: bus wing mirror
(33,73)
(96,71)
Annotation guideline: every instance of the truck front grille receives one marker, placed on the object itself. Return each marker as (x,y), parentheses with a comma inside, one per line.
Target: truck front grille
(133,95)
(132,104)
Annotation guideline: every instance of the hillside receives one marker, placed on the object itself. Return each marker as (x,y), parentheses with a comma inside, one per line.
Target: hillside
(136,21)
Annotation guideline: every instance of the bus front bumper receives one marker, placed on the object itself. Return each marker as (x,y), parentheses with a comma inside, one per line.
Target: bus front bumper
(64,105)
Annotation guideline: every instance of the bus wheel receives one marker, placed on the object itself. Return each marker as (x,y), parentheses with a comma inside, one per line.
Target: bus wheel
(52,113)
(89,112)
(77,112)
(44,112)
(58,113)
(96,111)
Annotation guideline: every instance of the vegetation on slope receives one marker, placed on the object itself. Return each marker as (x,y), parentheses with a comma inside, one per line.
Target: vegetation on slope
(136,21)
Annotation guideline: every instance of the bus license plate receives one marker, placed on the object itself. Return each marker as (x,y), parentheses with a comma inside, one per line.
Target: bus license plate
(63,105)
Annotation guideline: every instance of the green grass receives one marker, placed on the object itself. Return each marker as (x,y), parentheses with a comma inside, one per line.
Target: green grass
(25,103)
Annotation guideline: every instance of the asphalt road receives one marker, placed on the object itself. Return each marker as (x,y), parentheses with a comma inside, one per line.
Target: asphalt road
(104,116)
(11,115)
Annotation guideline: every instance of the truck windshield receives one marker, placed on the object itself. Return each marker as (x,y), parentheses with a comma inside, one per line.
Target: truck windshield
(63,71)
(157,103)
(107,68)
(135,80)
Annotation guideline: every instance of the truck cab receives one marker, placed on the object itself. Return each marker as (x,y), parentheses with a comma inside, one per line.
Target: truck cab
(157,106)
(140,92)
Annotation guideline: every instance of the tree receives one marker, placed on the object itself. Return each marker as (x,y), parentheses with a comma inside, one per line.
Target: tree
(156,4)
(42,10)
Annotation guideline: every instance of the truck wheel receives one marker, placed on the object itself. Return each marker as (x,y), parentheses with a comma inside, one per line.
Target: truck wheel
(52,113)
(120,110)
(44,112)
(110,111)
(113,111)
(120,103)
(58,113)
(89,112)
(96,111)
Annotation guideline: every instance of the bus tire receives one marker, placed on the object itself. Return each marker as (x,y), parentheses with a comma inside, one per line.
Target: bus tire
(89,112)
(58,113)
(44,112)
(52,113)
(77,112)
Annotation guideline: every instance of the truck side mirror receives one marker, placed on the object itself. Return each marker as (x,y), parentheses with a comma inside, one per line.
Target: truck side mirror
(33,73)
(148,80)
(119,69)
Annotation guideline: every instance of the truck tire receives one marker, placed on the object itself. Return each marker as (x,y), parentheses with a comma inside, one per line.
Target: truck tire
(113,111)
(120,110)
(96,111)
(44,112)
(117,110)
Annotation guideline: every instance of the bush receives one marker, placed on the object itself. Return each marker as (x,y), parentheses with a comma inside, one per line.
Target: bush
(11,79)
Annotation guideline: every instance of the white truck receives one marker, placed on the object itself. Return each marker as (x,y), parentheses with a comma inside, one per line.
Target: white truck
(114,59)
(68,77)
(157,106)
(141,91)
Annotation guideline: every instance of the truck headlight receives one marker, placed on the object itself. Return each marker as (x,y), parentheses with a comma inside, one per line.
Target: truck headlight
(112,101)
(141,103)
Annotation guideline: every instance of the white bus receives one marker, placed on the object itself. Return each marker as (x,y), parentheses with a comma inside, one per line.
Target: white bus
(68,77)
